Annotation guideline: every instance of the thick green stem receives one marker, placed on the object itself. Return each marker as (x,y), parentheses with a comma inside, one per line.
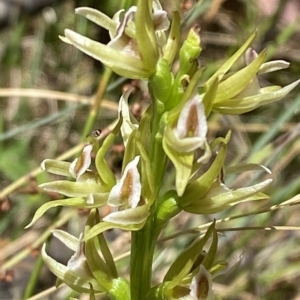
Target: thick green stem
(141,261)
(144,241)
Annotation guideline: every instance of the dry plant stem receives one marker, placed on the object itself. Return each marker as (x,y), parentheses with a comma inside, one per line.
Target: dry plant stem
(54,289)
(47,292)
(202,228)
(97,102)
(35,274)
(22,180)
(15,246)
(267,228)
(37,93)
(19,257)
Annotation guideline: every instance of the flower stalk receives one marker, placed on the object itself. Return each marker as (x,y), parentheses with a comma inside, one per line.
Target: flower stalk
(172,132)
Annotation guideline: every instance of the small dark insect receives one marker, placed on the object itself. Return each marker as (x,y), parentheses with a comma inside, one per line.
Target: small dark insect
(95,133)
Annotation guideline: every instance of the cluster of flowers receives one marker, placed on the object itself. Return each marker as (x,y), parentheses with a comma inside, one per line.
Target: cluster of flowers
(173,128)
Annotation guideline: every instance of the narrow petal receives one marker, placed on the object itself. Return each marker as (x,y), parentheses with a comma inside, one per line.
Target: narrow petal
(229,62)
(56,167)
(243,105)
(97,17)
(272,66)
(219,197)
(66,238)
(236,83)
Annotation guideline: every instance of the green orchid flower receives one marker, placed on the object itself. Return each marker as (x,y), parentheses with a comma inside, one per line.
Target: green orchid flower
(132,208)
(91,269)
(181,139)
(137,39)
(240,92)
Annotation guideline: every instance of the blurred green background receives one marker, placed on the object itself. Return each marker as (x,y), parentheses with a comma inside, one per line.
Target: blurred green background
(46,94)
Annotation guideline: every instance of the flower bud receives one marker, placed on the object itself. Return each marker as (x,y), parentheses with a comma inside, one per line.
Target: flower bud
(189,53)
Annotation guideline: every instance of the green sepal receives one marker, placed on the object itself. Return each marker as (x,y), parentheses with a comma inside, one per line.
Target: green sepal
(199,187)
(229,62)
(66,238)
(209,96)
(183,264)
(135,147)
(209,259)
(95,262)
(237,106)
(218,198)
(58,167)
(75,189)
(129,217)
(130,150)
(120,62)
(218,268)
(106,251)
(104,171)
(70,202)
(103,20)
(144,127)
(98,18)
(183,163)
(145,36)
(234,84)
(184,97)
(173,41)
(148,189)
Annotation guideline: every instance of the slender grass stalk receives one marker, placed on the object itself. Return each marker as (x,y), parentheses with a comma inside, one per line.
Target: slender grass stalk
(97,102)
(25,252)
(35,274)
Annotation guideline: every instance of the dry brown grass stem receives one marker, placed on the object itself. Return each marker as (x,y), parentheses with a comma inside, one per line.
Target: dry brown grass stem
(37,93)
